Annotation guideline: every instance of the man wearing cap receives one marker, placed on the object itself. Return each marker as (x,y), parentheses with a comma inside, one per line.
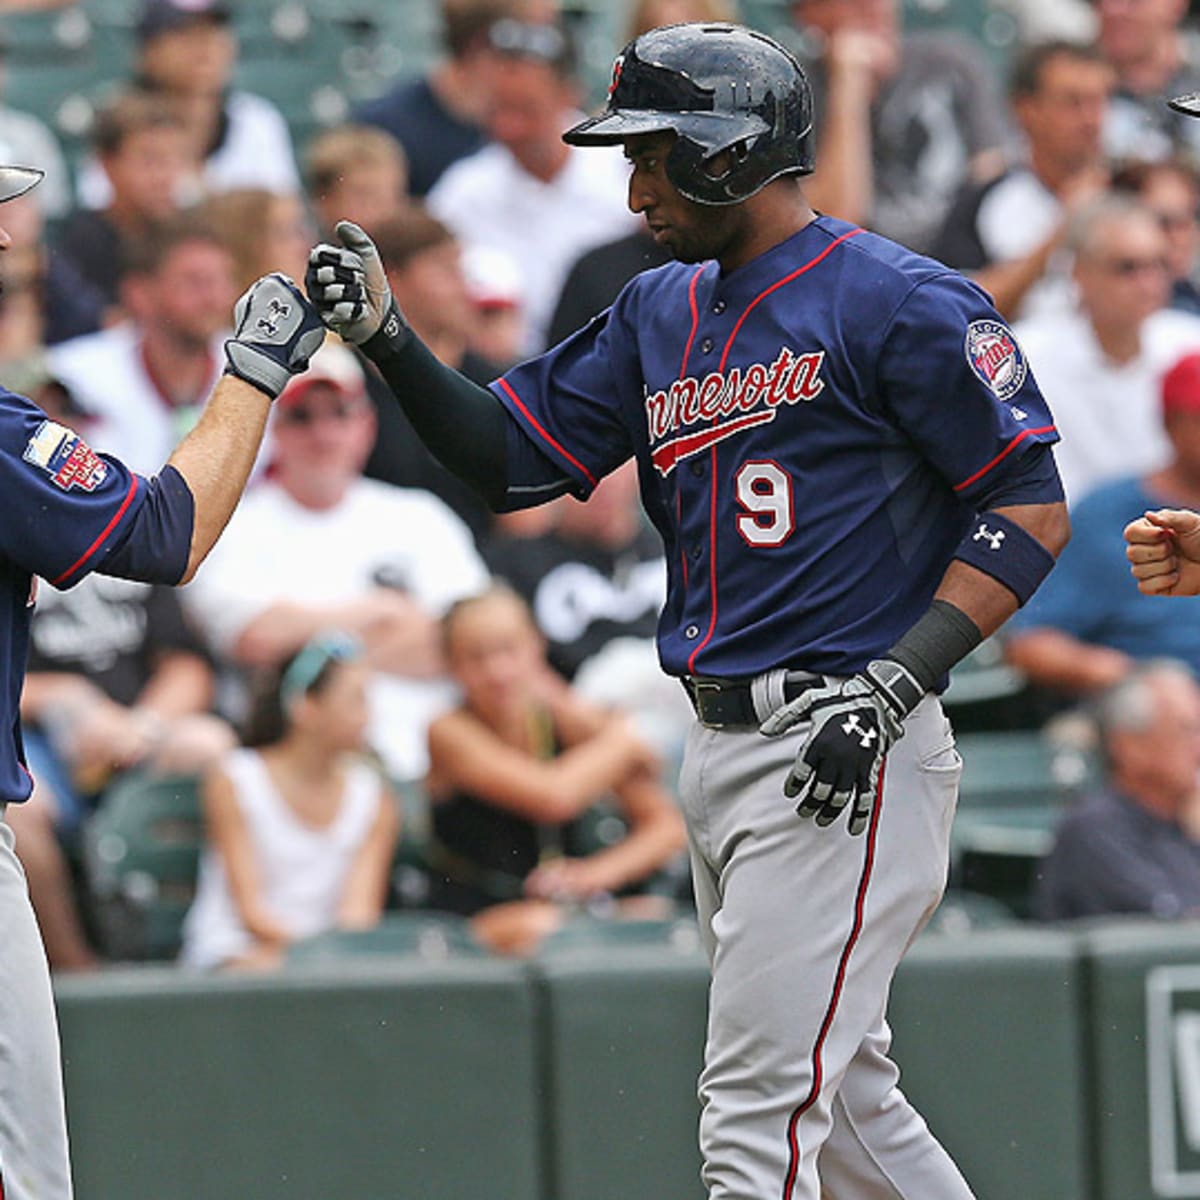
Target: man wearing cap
(69,512)
(317,546)
(530,195)
(1086,627)
(186,54)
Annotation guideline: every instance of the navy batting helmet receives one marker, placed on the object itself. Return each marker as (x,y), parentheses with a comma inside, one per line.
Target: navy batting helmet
(719,87)
(16,181)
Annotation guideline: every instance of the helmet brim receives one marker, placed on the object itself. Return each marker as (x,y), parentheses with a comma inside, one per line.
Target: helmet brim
(713,131)
(16,181)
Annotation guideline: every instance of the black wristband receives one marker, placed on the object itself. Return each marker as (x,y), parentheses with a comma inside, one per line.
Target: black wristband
(942,637)
(392,336)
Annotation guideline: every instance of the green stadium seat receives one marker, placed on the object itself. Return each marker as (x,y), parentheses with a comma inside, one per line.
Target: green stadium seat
(141,853)
(586,935)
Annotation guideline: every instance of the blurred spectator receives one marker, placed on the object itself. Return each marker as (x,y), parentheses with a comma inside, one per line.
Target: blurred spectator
(1154,57)
(146,379)
(1134,846)
(494,287)
(424,269)
(116,682)
(514,771)
(902,121)
(301,829)
(595,583)
(152,172)
(1008,232)
(1100,366)
(597,575)
(645,15)
(43,300)
(1049,20)
(186,54)
(1171,190)
(1088,623)
(316,546)
(355,173)
(529,179)
(27,140)
(439,117)
(597,277)
(263,231)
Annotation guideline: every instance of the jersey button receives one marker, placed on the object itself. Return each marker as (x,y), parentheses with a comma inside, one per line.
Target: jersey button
(695,552)
(692,631)
(719,307)
(697,469)
(706,346)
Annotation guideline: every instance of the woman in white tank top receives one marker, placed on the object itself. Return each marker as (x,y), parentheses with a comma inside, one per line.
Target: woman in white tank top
(302,828)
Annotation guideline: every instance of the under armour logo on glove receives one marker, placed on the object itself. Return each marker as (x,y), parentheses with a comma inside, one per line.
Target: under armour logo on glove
(270,321)
(866,736)
(852,725)
(983,533)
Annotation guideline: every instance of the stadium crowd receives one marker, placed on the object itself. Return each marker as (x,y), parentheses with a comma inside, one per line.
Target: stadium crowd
(499,673)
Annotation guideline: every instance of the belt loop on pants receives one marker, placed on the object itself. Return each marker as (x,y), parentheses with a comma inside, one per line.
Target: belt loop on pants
(744,703)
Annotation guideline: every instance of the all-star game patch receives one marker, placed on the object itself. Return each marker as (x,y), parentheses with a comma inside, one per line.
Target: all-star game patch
(995,357)
(65,457)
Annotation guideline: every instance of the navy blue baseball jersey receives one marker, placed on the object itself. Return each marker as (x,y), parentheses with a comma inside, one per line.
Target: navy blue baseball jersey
(814,431)
(65,508)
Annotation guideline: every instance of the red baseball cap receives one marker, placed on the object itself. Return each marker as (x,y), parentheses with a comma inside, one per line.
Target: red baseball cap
(1181,386)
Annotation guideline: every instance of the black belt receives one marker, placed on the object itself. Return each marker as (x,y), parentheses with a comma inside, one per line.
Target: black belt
(726,702)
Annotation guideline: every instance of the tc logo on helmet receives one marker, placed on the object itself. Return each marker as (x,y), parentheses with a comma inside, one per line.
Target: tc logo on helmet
(618,64)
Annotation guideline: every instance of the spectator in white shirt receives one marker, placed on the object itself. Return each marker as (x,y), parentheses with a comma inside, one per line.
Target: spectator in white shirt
(1100,366)
(186,53)
(316,545)
(528,184)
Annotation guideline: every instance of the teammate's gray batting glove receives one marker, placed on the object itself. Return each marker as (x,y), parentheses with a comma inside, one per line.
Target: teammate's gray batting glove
(275,332)
(853,724)
(349,286)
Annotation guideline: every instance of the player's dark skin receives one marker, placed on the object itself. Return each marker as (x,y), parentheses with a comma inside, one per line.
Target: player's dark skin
(733,234)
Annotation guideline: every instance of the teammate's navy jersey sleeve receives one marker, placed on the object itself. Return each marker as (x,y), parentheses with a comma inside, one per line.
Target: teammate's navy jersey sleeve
(985,407)
(66,506)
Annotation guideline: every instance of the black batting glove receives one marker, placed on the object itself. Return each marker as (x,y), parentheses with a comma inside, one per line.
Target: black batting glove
(275,332)
(853,724)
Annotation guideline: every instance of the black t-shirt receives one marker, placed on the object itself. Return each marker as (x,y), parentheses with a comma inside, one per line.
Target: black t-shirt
(597,277)
(582,594)
(110,630)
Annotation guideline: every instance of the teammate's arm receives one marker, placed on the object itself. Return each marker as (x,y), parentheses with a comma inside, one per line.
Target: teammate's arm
(191,500)
(1163,548)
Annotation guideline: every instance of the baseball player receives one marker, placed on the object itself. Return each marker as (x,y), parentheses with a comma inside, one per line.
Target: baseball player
(69,511)
(849,463)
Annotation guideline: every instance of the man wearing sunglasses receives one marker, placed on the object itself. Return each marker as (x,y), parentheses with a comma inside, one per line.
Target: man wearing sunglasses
(1101,363)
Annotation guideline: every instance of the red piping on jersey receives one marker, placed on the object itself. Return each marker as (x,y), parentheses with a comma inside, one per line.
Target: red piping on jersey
(966,483)
(687,349)
(712,516)
(839,982)
(544,433)
(778,284)
(133,486)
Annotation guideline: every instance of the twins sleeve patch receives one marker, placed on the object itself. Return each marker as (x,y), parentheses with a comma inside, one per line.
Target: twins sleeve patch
(995,357)
(65,457)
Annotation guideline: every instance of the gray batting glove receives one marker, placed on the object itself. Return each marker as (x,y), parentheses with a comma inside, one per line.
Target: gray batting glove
(275,332)
(853,723)
(349,286)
